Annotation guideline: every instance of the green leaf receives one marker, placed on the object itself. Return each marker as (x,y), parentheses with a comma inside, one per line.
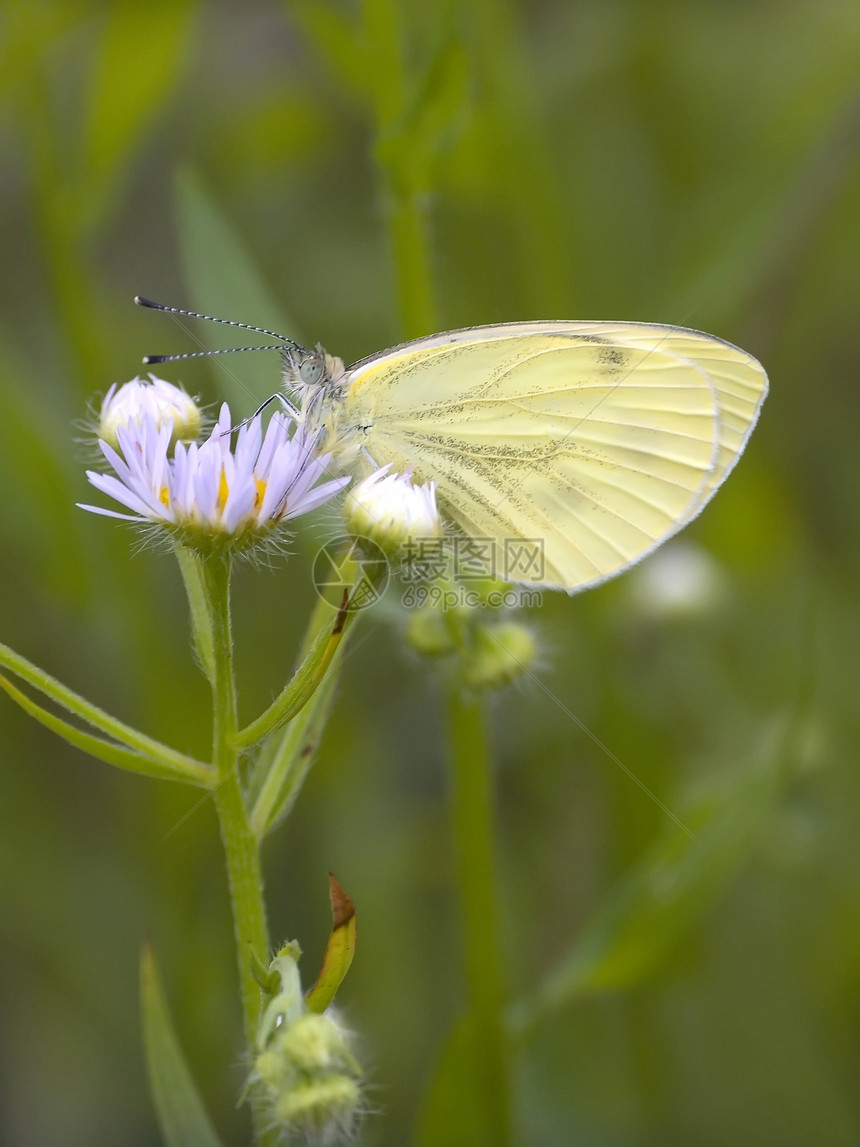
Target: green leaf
(279,780)
(224,280)
(137,67)
(411,150)
(29,32)
(676,882)
(35,441)
(338,40)
(454,1112)
(339,951)
(304,683)
(97,747)
(198,607)
(183,1119)
(138,742)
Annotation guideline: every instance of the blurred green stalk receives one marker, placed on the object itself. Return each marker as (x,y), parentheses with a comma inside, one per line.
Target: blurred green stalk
(404,204)
(472,816)
(409,239)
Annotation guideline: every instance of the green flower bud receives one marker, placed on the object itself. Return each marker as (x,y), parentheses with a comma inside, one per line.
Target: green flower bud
(428,633)
(304,1069)
(315,1043)
(309,1077)
(325,1106)
(499,655)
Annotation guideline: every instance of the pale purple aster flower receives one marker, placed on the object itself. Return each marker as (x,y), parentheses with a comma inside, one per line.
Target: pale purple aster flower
(215,492)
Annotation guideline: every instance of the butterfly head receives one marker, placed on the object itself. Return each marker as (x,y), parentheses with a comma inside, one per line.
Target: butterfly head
(318,381)
(312,371)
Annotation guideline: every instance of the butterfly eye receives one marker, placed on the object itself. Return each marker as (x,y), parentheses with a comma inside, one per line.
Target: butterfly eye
(311,370)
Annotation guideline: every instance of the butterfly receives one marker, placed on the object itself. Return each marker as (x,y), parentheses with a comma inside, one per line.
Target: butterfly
(593,441)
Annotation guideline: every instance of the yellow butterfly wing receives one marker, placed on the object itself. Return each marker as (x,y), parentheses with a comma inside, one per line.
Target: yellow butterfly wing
(594,441)
(739,379)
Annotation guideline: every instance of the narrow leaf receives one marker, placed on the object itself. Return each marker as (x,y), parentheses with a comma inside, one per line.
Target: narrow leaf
(338,40)
(35,435)
(303,684)
(666,893)
(73,703)
(435,117)
(339,950)
(198,607)
(124,101)
(182,1117)
(103,750)
(224,280)
(281,783)
(454,1111)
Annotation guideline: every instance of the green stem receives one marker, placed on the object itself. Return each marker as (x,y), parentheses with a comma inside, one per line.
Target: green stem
(472,814)
(240,846)
(198,606)
(407,217)
(408,225)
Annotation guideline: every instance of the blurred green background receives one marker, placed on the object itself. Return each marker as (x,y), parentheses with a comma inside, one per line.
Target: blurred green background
(357,174)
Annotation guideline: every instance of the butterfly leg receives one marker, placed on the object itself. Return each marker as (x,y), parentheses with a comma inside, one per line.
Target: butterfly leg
(285,402)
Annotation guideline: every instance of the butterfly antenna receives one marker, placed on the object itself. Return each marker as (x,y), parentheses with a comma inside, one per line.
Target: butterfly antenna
(152,305)
(149,359)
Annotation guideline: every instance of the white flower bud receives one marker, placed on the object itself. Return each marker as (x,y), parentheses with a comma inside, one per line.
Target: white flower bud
(130,403)
(390,510)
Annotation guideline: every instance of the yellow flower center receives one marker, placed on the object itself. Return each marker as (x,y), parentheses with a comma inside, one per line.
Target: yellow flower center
(223,490)
(261,492)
